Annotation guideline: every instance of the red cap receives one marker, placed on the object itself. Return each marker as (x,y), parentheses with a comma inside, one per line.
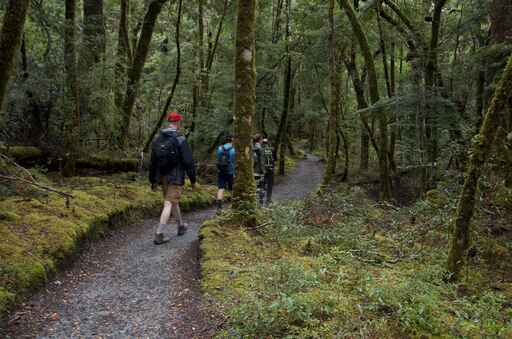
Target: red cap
(174,117)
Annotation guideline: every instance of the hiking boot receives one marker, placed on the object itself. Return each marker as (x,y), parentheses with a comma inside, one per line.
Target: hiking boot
(219,205)
(160,239)
(182,229)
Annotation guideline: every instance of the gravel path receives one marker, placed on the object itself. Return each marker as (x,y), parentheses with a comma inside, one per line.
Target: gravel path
(124,286)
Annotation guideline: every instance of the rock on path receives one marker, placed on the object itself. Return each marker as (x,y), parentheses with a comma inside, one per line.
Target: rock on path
(124,286)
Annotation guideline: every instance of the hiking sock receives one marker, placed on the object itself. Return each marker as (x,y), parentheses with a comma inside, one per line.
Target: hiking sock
(177,214)
(161,228)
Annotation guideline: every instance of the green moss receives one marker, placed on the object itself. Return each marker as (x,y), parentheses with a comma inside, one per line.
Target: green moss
(436,198)
(38,237)
(22,153)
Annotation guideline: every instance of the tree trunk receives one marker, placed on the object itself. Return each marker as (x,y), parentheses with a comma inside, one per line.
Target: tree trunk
(72,91)
(245,106)
(430,72)
(174,84)
(385,189)
(93,51)
(124,53)
(481,148)
(94,42)
(10,39)
(501,25)
(135,71)
(286,104)
(334,99)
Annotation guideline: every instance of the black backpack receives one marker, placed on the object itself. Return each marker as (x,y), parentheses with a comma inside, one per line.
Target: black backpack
(166,153)
(223,161)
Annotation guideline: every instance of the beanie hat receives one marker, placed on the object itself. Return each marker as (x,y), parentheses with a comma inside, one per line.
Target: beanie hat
(174,117)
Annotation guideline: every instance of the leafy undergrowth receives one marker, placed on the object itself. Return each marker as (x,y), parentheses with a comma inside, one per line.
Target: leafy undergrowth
(39,233)
(341,265)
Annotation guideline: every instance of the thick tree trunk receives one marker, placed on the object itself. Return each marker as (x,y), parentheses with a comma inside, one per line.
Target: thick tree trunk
(245,106)
(72,91)
(10,39)
(334,99)
(481,148)
(135,71)
(385,189)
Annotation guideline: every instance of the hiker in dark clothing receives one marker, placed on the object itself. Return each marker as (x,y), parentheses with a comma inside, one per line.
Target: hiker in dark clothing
(268,157)
(171,161)
(226,156)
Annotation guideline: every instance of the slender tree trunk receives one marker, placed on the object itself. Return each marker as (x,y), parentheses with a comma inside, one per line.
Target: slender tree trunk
(124,53)
(10,39)
(72,91)
(280,138)
(430,73)
(174,84)
(135,71)
(245,106)
(334,99)
(481,148)
(385,179)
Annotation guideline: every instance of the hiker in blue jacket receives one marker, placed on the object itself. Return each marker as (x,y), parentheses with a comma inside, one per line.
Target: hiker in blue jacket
(226,155)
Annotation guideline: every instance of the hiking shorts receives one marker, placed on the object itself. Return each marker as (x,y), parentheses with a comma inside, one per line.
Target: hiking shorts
(171,192)
(225,181)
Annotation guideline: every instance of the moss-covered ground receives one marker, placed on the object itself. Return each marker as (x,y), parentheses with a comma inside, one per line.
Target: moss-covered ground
(39,233)
(342,265)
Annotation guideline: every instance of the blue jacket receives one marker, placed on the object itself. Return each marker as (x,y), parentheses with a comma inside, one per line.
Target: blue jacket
(231,156)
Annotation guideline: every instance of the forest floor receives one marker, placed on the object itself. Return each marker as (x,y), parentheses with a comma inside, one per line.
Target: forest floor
(124,286)
(340,264)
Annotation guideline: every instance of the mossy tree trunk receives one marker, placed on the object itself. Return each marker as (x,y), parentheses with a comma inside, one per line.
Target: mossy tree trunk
(10,39)
(481,148)
(334,100)
(135,71)
(373,89)
(72,91)
(245,106)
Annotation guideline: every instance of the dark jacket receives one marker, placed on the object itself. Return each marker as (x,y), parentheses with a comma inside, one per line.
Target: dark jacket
(186,164)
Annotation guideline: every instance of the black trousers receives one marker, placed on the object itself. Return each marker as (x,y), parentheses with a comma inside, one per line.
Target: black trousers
(269,184)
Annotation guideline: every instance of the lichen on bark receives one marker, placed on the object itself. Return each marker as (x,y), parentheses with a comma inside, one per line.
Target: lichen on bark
(245,105)
(481,147)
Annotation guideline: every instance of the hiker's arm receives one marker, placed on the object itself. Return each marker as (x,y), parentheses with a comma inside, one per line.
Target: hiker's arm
(188,161)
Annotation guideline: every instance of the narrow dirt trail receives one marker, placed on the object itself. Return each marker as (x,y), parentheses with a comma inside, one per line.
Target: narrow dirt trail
(124,286)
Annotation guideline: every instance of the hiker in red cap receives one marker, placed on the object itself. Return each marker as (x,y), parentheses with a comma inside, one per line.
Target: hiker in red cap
(171,160)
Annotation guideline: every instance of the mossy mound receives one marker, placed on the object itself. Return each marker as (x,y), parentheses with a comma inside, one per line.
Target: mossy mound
(37,236)
(340,265)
